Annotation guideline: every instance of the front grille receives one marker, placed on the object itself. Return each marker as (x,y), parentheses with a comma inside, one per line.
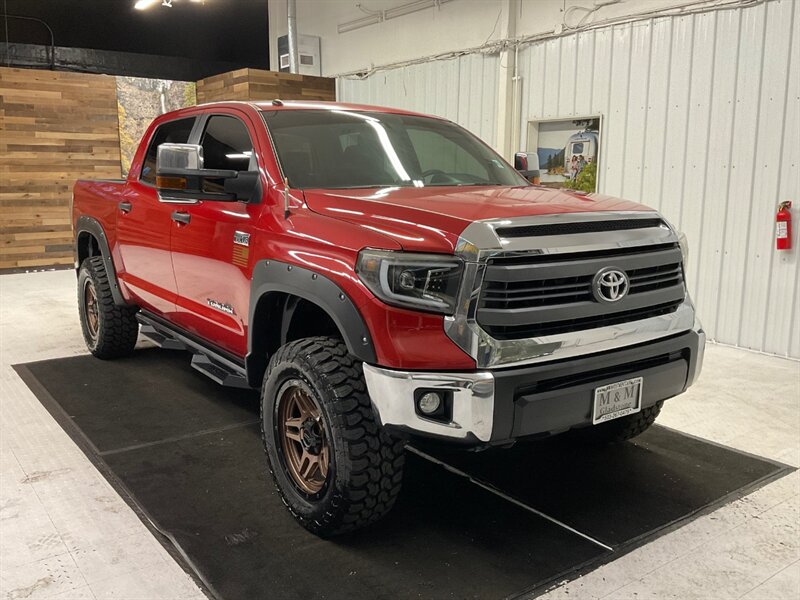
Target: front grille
(564,290)
(577,227)
(515,332)
(529,299)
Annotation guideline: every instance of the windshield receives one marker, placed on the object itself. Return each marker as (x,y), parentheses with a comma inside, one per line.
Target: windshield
(339,149)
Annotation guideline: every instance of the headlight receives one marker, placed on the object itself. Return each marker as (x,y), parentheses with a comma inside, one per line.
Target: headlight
(684,244)
(421,281)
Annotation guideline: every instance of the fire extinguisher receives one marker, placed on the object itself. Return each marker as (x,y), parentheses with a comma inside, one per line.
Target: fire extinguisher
(783,226)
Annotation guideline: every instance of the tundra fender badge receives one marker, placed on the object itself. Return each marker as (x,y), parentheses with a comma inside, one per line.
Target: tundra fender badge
(226,308)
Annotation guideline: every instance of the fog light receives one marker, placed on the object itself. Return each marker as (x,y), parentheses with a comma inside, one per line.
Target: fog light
(429,403)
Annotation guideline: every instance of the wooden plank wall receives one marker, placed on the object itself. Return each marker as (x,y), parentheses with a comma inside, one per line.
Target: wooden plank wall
(254,84)
(55,127)
(226,86)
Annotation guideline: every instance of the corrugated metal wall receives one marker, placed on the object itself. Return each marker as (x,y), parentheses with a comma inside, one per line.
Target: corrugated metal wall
(463,90)
(701,119)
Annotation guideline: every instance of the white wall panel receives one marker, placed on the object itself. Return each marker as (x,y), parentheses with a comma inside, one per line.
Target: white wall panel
(654,163)
(701,119)
(782,75)
(749,65)
(463,90)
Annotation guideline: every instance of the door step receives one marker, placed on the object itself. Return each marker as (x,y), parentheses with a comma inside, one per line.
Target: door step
(225,370)
(161,338)
(219,373)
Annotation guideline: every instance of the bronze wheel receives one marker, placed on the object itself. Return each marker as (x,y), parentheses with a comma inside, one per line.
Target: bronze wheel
(92,308)
(334,466)
(109,329)
(303,438)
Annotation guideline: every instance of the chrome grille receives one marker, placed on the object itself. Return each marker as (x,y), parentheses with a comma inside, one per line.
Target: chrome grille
(544,295)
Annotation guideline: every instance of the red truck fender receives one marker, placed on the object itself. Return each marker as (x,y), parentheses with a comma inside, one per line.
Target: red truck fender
(276,277)
(90,238)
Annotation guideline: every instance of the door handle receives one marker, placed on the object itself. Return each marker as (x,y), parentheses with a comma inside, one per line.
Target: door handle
(125,206)
(181,217)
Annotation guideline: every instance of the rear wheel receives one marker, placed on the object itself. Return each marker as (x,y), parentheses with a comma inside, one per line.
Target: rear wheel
(109,330)
(335,468)
(622,429)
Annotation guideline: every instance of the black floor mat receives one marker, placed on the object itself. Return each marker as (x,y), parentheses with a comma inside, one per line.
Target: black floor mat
(613,493)
(187,455)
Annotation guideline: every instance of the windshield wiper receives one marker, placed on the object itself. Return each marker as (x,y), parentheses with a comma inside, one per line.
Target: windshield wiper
(366,187)
(460,184)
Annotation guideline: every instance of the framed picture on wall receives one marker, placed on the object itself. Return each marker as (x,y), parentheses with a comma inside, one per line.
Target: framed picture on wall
(568,151)
(139,101)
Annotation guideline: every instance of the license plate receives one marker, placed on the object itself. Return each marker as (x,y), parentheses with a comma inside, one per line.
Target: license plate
(617,400)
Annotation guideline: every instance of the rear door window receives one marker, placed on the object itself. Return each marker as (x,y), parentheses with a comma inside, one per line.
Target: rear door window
(172,132)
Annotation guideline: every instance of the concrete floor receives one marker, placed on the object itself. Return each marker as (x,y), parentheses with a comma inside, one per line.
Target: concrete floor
(65,533)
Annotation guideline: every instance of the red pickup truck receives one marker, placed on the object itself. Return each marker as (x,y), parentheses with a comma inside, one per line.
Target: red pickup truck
(382,275)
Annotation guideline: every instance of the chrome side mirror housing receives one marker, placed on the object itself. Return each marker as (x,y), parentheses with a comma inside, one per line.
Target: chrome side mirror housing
(527,164)
(181,176)
(179,156)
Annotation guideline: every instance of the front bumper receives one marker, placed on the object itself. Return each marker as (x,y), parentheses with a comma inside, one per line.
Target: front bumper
(504,404)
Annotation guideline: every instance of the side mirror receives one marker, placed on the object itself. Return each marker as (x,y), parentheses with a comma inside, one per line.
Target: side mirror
(180,176)
(527,163)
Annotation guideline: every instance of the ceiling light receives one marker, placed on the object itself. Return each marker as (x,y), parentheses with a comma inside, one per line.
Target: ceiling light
(145,4)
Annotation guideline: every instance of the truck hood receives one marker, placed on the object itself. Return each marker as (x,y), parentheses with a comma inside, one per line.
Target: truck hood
(430,219)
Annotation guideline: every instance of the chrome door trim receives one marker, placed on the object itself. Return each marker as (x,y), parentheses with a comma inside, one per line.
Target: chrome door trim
(171,200)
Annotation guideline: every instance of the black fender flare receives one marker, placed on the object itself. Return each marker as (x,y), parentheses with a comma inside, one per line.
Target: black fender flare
(276,276)
(92,226)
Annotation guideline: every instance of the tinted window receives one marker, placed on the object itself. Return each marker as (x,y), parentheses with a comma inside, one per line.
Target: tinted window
(226,144)
(437,152)
(173,132)
(349,149)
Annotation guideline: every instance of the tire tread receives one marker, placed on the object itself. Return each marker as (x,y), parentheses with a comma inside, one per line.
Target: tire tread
(119,328)
(622,429)
(374,460)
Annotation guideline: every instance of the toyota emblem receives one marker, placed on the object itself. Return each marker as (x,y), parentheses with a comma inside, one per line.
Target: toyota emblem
(610,285)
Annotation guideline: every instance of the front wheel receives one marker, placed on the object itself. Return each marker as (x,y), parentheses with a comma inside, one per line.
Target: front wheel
(335,468)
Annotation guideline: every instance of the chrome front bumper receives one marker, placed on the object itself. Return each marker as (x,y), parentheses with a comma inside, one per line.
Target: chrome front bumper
(392,394)
(484,403)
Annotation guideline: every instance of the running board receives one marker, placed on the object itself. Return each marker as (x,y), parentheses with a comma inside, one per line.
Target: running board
(213,364)
(217,372)
(161,339)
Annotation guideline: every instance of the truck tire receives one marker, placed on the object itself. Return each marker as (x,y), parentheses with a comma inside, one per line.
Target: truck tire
(622,429)
(334,467)
(110,330)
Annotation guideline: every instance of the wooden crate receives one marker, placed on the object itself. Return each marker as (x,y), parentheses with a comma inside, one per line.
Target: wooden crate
(254,84)
(55,128)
